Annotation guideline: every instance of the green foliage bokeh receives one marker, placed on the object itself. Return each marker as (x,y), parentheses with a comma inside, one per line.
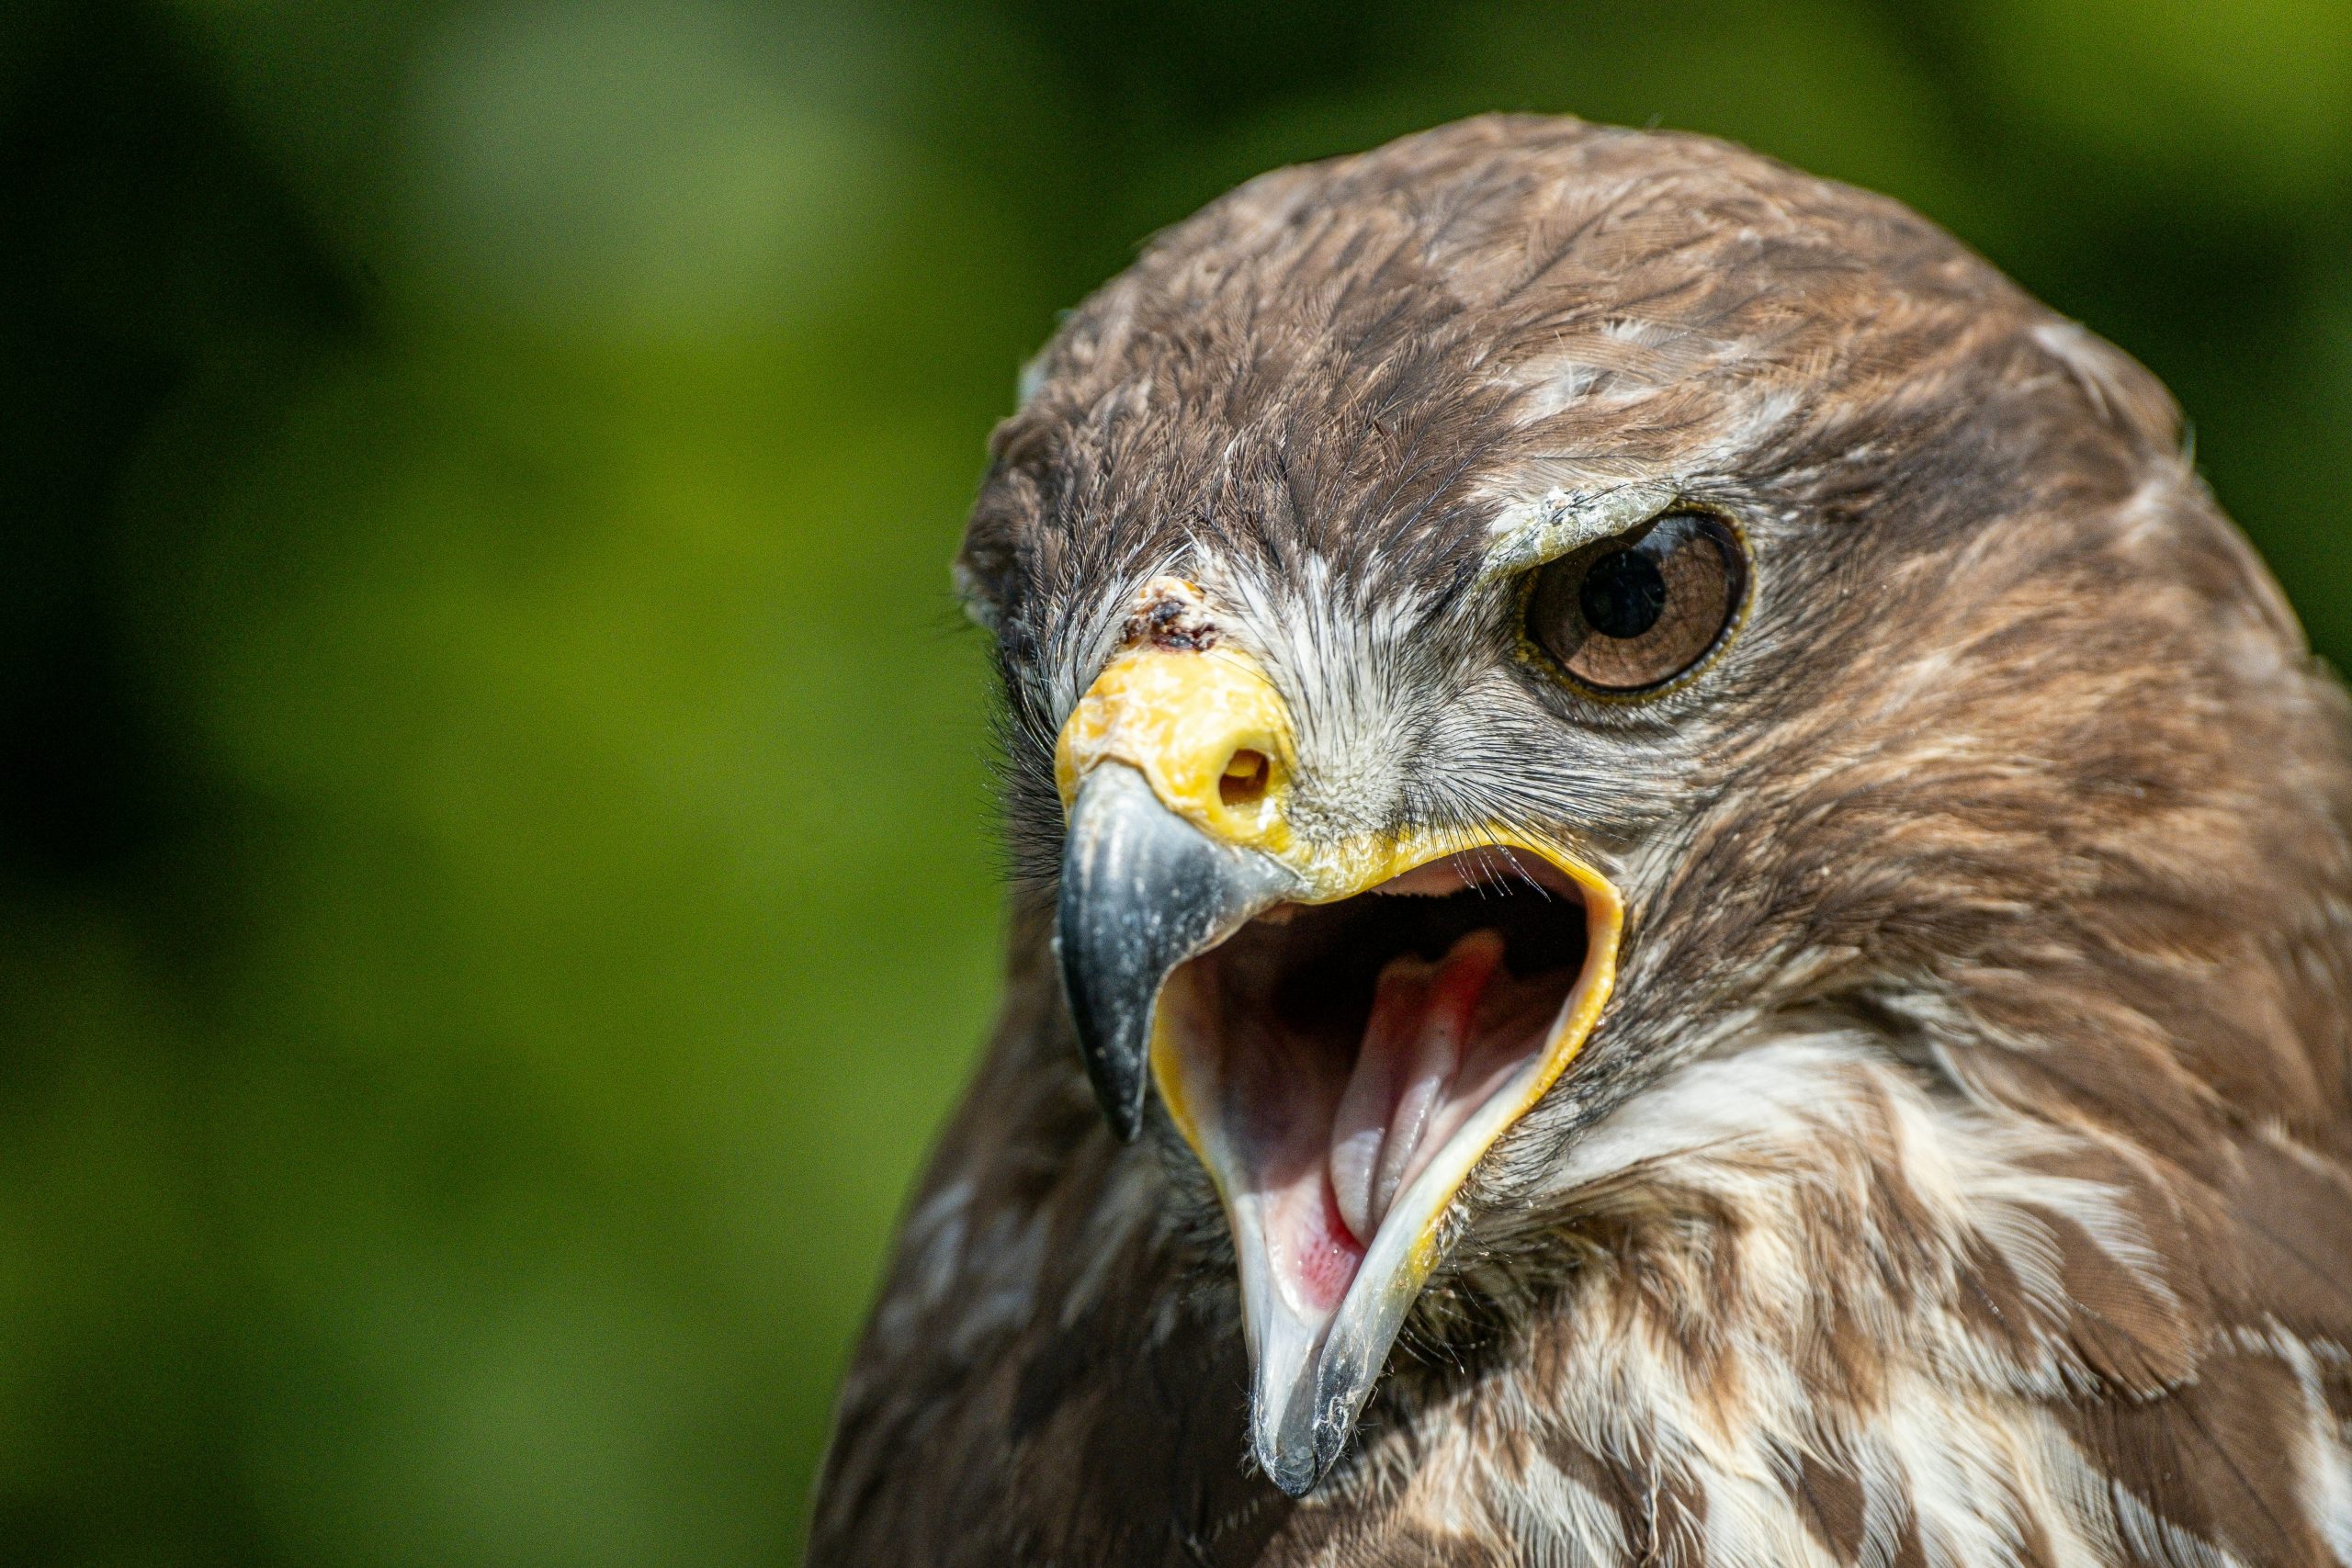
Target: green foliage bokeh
(496,882)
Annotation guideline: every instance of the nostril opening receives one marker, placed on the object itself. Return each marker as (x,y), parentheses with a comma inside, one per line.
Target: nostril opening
(1244,783)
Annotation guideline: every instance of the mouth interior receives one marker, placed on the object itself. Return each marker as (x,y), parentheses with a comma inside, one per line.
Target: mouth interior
(1338,1047)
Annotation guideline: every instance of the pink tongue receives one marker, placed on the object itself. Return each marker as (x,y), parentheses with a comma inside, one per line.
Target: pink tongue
(1411,1055)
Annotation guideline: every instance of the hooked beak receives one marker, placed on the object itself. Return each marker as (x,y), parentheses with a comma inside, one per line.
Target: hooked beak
(1143,890)
(1340,1031)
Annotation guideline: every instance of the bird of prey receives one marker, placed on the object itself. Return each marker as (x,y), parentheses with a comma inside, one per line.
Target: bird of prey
(1679,899)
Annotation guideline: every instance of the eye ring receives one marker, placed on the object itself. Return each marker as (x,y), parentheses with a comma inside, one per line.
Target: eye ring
(1640,614)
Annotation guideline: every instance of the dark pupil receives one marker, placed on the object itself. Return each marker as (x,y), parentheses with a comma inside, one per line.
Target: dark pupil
(1622,595)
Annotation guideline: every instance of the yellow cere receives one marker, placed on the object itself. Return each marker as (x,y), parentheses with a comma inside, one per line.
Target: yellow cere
(1178,716)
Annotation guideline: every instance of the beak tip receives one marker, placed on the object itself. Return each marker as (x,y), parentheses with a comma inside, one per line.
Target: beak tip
(1298,1467)
(1298,1452)
(1294,1466)
(1294,1482)
(1114,1057)
(1115,1068)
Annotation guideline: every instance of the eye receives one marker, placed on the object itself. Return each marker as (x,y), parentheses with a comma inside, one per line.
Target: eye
(1631,613)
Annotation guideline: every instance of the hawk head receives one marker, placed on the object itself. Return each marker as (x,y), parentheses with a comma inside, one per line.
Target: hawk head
(1488,624)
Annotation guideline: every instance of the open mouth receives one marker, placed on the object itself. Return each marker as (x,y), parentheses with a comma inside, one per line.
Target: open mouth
(1339,1026)
(1328,1055)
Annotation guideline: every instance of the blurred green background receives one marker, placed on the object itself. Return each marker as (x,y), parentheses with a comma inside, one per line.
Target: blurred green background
(495,869)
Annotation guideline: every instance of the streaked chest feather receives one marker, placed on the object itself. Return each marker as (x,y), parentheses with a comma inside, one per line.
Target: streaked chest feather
(1802,1305)
(1828,1313)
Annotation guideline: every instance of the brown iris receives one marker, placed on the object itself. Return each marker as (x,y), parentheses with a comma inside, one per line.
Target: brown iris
(1631,613)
